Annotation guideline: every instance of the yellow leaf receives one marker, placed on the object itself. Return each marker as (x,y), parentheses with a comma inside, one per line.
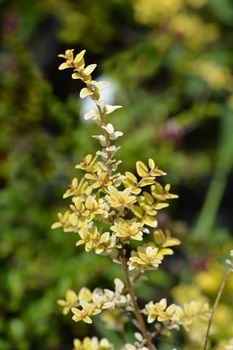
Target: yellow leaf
(151,163)
(148,198)
(89,69)
(91,203)
(150,221)
(171,242)
(142,169)
(64,66)
(93,114)
(76,75)
(165,251)
(56,225)
(137,211)
(85,92)
(158,172)
(146,182)
(159,237)
(161,205)
(156,189)
(79,56)
(109,108)
(131,176)
(88,158)
(136,190)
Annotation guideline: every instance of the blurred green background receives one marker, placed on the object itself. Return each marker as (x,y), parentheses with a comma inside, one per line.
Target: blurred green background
(170,63)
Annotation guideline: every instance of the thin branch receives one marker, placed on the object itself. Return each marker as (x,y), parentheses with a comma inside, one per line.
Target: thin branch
(137,277)
(227,275)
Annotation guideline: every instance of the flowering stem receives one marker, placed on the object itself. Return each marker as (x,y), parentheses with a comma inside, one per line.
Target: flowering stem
(102,115)
(108,141)
(136,308)
(227,275)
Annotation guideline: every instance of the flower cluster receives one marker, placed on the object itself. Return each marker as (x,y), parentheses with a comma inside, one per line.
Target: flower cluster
(151,255)
(103,344)
(86,304)
(108,211)
(92,344)
(176,315)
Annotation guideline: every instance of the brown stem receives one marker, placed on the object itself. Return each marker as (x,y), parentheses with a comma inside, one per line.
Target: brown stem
(137,277)
(136,308)
(227,275)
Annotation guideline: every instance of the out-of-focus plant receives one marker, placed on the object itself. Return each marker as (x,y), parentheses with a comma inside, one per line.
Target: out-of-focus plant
(109,211)
(177,89)
(210,285)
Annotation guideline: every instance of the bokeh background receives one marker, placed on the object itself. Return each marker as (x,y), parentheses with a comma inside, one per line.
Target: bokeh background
(170,63)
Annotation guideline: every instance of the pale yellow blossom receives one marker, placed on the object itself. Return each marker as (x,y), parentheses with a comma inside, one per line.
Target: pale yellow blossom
(148,256)
(88,310)
(120,199)
(70,301)
(92,344)
(127,229)
(161,312)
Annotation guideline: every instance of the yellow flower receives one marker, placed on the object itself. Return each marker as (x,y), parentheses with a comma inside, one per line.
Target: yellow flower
(128,229)
(77,345)
(88,310)
(65,221)
(78,219)
(160,193)
(178,315)
(93,239)
(69,57)
(120,199)
(70,301)
(88,164)
(78,188)
(85,294)
(148,256)
(98,179)
(71,62)
(161,312)
(92,344)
